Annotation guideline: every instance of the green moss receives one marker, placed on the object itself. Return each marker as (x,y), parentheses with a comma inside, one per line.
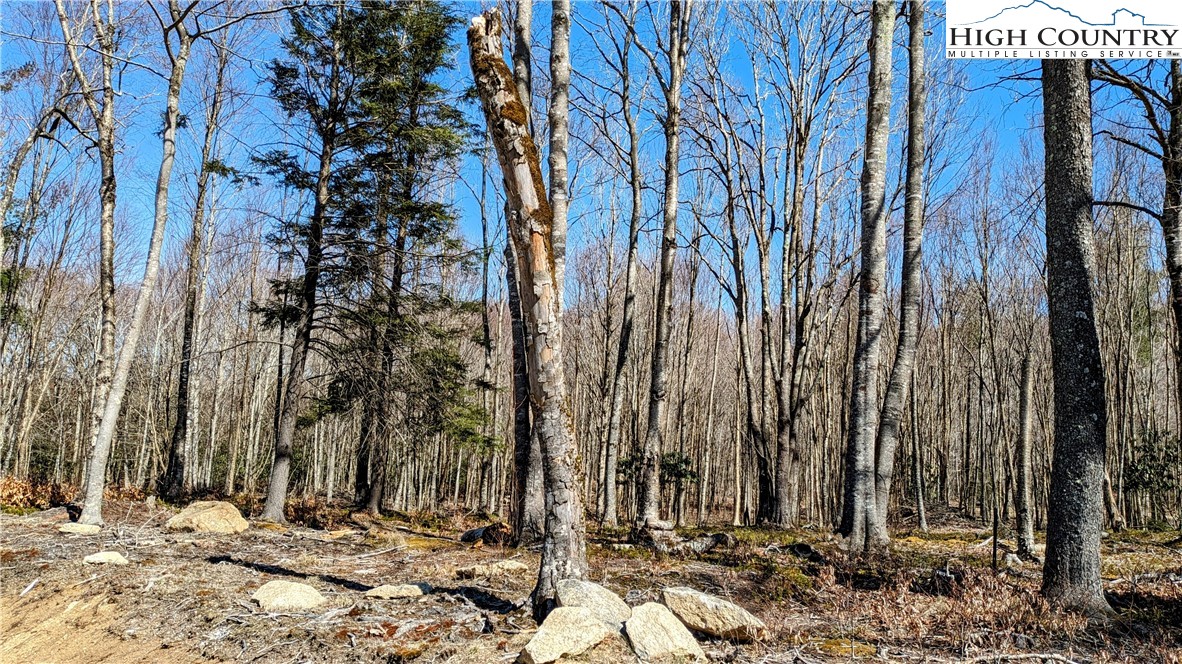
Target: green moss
(18,511)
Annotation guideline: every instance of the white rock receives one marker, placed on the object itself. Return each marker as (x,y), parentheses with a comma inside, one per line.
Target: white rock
(80,528)
(655,634)
(568,630)
(208,516)
(105,558)
(606,605)
(712,615)
(395,592)
(286,597)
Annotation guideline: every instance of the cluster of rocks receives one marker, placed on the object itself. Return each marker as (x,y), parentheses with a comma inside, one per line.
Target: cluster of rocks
(588,613)
(205,516)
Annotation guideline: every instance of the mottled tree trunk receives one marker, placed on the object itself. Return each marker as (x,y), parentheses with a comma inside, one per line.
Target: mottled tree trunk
(859,507)
(1075,516)
(1022,500)
(564,550)
(912,278)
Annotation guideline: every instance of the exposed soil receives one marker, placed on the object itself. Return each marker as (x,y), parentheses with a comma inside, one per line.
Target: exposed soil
(186,597)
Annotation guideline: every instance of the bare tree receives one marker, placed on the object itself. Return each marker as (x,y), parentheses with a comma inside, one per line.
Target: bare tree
(676,50)
(913,213)
(174,482)
(563,550)
(1071,573)
(178,59)
(529,507)
(859,506)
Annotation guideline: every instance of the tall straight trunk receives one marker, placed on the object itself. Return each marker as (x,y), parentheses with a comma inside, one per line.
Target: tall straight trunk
(859,507)
(96,475)
(1075,512)
(628,313)
(917,473)
(912,278)
(648,505)
(104,139)
(1171,218)
(528,512)
(174,482)
(564,552)
(1022,500)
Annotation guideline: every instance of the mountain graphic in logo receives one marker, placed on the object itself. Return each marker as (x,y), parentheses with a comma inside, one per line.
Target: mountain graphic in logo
(1032,11)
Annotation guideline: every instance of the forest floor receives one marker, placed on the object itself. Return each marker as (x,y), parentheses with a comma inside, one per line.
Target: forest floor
(185,597)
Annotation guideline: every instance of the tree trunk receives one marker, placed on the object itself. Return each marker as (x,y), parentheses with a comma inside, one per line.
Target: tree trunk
(648,505)
(1023,498)
(912,278)
(293,385)
(173,483)
(859,507)
(528,514)
(104,440)
(564,551)
(1071,573)
(628,314)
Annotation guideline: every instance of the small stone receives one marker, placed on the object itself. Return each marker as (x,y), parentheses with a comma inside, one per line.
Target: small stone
(656,634)
(80,528)
(208,516)
(287,597)
(569,630)
(712,615)
(105,558)
(606,605)
(398,591)
(1012,560)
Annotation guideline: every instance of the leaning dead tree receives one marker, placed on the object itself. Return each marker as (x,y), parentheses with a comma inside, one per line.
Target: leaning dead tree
(563,549)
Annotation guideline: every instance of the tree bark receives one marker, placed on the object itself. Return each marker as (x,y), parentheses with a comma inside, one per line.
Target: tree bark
(174,481)
(1075,517)
(1022,500)
(564,551)
(529,508)
(859,507)
(628,313)
(912,277)
(648,504)
(96,474)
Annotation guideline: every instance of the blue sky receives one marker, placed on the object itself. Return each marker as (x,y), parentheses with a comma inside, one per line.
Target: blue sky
(1008,108)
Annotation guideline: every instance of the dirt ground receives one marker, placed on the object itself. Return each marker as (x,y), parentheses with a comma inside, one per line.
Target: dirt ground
(186,597)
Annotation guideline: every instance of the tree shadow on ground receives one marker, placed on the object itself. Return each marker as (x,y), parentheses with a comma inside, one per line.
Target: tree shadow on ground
(479,598)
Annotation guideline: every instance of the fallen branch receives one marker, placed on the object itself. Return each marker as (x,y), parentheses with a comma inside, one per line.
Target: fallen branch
(1015,657)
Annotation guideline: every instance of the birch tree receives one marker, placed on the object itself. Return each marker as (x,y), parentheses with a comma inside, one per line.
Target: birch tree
(901,371)
(563,548)
(860,501)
